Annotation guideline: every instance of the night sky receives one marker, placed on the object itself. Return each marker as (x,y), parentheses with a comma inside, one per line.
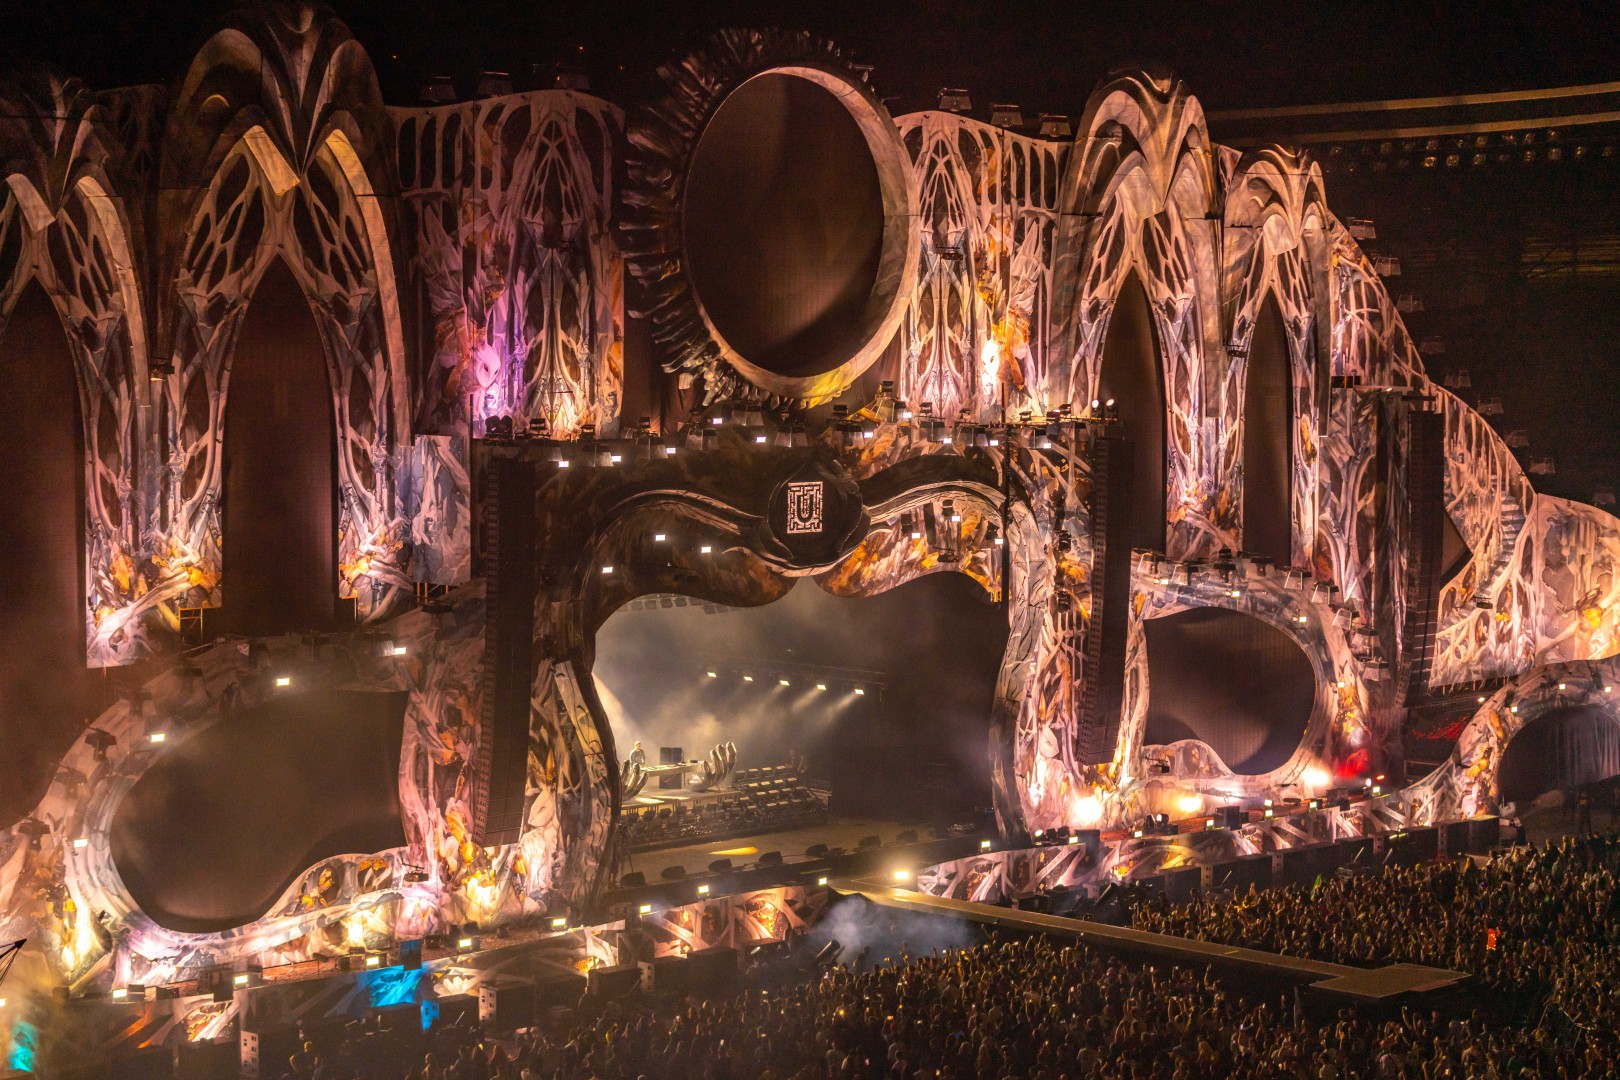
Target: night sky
(1041,54)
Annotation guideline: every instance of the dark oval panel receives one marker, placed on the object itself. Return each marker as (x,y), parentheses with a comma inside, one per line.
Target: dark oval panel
(217,830)
(1231,680)
(784,225)
(1560,750)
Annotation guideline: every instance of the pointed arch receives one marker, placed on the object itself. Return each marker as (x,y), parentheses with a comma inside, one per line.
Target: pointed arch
(279,542)
(1268,423)
(42,533)
(1132,376)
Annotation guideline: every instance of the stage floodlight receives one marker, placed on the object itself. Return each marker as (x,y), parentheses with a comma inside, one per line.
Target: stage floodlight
(645,909)
(157,737)
(563,463)
(671,451)
(821,880)
(1608,689)
(761,439)
(784,682)
(860,691)
(712,674)
(120,994)
(659,538)
(466,944)
(984,845)
(81,842)
(703,890)
(705,549)
(748,678)
(821,686)
(283,680)
(559,923)
(400,650)
(902,875)
(373,961)
(607,569)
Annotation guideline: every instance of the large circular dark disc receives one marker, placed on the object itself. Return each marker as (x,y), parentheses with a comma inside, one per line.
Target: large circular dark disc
(784,226)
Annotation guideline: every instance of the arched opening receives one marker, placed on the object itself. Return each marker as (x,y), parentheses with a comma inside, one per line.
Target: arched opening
(784,225)
(1560,750)
(1132,377)
(1232,681)
(897,739)
(1268,421)
(218,828)
(46,693)
(280,508)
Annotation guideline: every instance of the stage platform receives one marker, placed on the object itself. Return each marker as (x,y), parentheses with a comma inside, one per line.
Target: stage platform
(695,857)
(1390,984)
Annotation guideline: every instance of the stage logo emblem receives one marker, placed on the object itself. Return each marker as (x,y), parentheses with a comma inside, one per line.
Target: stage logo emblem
(804,507)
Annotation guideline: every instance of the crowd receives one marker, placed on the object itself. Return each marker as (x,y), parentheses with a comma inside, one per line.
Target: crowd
(1535,925)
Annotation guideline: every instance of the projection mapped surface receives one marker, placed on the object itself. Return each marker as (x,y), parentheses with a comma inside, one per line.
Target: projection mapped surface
(1560,750)
(216,830)
(40,590)
(937,642)
(1233,681)
(784,225)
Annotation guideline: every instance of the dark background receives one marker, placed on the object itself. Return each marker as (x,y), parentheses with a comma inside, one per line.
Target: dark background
(1041,54)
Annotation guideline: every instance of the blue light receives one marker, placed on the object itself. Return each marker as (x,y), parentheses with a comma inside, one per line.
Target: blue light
(391,986)
(24,1047)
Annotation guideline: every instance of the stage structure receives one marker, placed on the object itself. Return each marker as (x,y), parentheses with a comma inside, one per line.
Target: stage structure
(1144,389)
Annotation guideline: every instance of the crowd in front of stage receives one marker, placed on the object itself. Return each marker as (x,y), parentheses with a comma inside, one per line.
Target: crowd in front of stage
(1536,926)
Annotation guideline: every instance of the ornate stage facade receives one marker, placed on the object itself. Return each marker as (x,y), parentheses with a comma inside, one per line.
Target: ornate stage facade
(1118,377)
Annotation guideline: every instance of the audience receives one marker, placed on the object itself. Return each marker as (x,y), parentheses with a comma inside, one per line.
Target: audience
(1544,1004)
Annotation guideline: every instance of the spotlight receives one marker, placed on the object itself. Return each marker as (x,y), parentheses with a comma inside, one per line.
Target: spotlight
(748,678)
(712,674)
(821,686)
(783,682)
(283,680)
(158,737)
(645,909)
(671,451)
(860,691)
(902,875)
(705,549)
(821,881)
(703,890)
(563,463)
(607,570)
(659,538)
